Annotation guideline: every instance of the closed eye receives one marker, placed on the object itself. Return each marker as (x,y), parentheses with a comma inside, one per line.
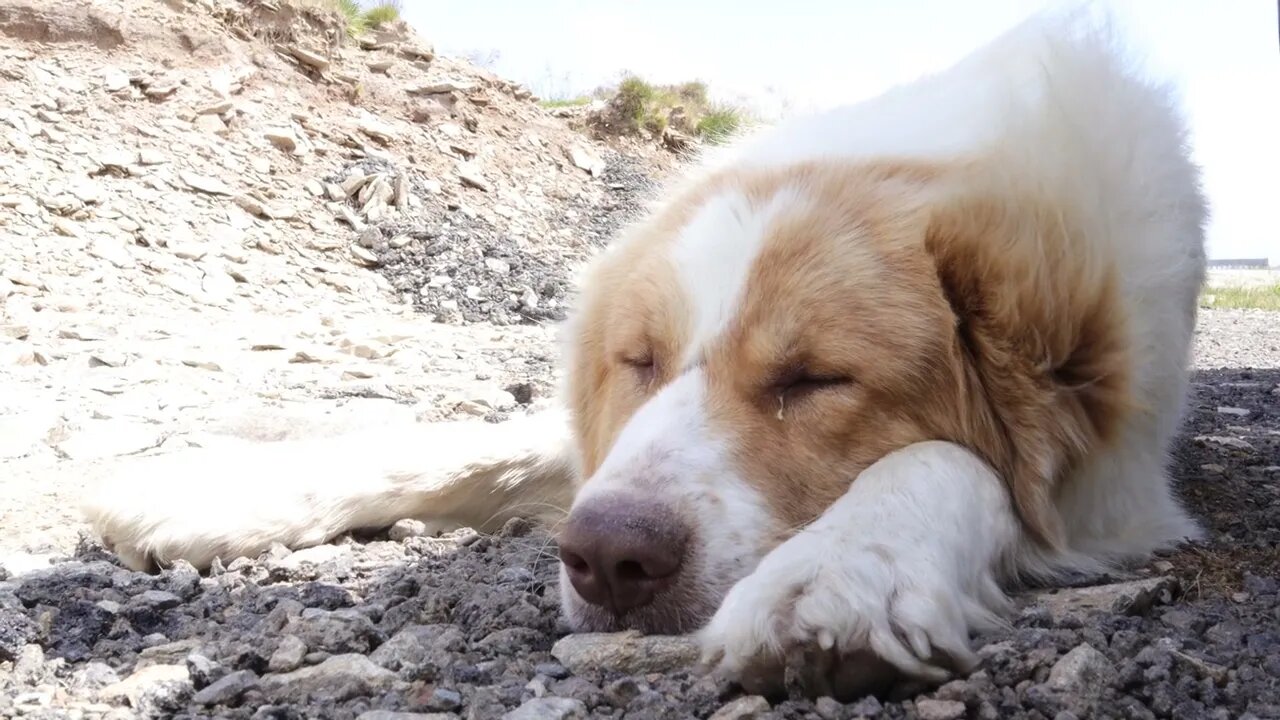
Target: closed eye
(802,382)
(644,367)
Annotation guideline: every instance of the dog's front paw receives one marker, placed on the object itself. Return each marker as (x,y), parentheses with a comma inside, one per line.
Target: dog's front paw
(839,620)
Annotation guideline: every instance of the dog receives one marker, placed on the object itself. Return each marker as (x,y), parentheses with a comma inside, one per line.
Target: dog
(845,385)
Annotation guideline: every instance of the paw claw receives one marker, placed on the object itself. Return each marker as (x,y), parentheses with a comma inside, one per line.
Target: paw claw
(826,639)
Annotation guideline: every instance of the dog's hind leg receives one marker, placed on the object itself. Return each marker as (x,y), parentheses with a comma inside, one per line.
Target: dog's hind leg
(200,504)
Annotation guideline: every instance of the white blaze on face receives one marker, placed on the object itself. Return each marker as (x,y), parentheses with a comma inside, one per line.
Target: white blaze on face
(668,450)
(714,256)
(669,447)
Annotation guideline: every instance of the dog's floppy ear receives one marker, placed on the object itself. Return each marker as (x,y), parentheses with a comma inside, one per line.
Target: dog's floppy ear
(1040,337)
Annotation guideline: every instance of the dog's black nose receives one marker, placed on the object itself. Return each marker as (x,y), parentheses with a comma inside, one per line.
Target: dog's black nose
(621,550)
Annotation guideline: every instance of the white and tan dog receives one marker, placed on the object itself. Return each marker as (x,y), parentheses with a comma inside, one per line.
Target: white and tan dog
(846,384)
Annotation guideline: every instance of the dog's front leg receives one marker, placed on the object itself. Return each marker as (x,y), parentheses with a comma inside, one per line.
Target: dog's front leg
(895,575)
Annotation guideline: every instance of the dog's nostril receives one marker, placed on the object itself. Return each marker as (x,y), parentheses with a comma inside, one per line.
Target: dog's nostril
(632,571)
(574,561)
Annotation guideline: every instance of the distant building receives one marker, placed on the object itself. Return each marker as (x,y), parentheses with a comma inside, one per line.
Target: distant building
(1244,264)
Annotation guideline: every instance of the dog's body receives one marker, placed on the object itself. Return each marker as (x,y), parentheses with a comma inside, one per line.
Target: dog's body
(846,383)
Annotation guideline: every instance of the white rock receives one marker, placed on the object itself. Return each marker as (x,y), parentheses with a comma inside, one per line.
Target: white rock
(364,255)
(147,156)
(282,138)
(1134,596)
(118,159)
(626,652)
(929,709)
(441,86)
(135,687)
(114,80)
(585,159)
(111,249)
(204,183)
(110,438)
(338,678)
(377,130)
(210,124)
(549,708)
(309,58)
(1083,671)
(407,528)
(744,708)
(470,176)
(1225,441)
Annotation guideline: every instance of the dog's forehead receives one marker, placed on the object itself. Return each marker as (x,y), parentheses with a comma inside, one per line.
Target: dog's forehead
(715,253)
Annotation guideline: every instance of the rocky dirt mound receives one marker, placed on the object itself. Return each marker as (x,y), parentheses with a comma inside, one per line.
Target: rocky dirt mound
(254,149)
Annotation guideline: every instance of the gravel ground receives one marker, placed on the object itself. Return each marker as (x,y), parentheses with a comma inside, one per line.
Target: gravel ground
(464,626)
(463,269)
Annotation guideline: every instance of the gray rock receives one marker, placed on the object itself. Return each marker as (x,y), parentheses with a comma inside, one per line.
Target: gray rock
(418,647)
(93,676)
(172,653)
(1132,597)
(340,677)
(407,528)
(309,58)
(157,600)
(204,183)
(471,177)
(335,631)
(444,699)
(153,690)
(549,708)
(929,709)
(28,669)
(744,708)
(626,652)
(1083,671)
(391,715)
(16,630)
(288,655)
(227,690)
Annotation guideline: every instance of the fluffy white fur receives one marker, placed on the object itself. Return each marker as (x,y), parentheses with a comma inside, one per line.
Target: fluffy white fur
(196,505)
(904,564)
(907,562)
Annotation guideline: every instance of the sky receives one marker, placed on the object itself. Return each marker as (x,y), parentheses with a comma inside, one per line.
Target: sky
(784,57)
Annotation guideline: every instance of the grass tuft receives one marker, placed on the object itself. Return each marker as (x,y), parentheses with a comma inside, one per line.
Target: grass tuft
(685,107)
(359,19)
(565,102)
(1263,297)
(382,13)
(720,124)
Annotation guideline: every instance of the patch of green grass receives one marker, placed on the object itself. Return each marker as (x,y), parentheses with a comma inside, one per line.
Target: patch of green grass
(565,102)
(382,13)
(360,19)
(351,11)
(720,123)
(635,98)
(1262,297)
(685,106)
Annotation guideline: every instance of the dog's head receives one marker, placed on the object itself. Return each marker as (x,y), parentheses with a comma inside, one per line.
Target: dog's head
(738,358)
